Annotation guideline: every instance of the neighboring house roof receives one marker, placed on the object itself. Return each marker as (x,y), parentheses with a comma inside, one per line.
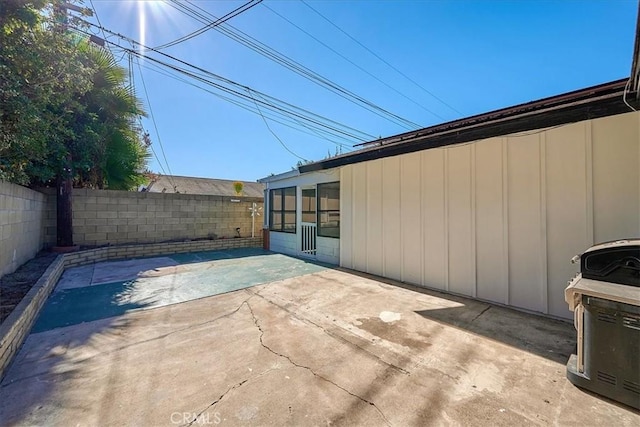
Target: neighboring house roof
(590,103)
(206,186)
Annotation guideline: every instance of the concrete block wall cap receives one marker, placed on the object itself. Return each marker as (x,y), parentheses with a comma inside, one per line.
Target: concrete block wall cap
(65,249)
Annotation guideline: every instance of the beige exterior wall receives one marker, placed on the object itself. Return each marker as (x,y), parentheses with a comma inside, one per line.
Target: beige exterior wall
(497,219)
(22,213)
(102,217)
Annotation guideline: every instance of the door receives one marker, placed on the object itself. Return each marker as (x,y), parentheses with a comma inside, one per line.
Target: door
(308,222)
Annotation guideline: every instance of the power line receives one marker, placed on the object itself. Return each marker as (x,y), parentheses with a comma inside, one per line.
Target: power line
(291,124)
(219,21)
(164,172)
(626,87)
(233,33)
(283,105)
(155,126)
(95,12)
(132,86)
(272,132)
(354,64)
(274,104)
(380,58)
(133,89)
(286,61)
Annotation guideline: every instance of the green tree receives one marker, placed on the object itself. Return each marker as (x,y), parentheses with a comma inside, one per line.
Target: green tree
(65,106)
(108,149)
(40,75)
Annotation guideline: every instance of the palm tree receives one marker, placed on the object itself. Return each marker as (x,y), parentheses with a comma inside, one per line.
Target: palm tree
(103,147)
(119,153)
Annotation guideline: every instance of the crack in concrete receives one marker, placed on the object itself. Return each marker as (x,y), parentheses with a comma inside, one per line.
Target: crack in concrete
(241,383)
(480,314)
(235,386)
(332,335)
(255,321)
(229,390)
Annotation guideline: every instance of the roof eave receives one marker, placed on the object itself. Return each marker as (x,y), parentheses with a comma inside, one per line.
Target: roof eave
(572,109)
(280,176)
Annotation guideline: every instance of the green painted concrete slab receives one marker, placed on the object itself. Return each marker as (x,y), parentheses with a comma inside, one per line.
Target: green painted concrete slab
(197,275)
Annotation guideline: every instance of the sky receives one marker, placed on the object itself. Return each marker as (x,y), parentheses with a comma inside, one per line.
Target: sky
(424,62)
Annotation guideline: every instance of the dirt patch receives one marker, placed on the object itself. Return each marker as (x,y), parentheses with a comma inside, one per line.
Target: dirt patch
(14,286)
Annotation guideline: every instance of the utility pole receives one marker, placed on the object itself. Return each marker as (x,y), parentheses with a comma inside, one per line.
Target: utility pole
(64,211)
(64,180)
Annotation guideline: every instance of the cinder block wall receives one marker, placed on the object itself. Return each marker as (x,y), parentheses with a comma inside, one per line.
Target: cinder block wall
(22,214)
(102,217)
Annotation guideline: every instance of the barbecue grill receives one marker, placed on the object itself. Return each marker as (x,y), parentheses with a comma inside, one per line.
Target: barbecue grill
(605,299)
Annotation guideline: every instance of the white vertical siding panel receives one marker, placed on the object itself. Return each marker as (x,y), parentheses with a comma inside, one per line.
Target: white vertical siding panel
(374,217)
(524,223)
(474,235)
(410,220)
(616,202)
(391,217)
(346,216)
(490,254)
(543,223)
(500,220)
(461,274)
(422,224)
(505,217)
(566,198)
(435,254)
(360,216)
(588,170)
(446,218)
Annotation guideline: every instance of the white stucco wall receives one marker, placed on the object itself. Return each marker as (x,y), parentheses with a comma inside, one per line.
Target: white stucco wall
(328,250)
(497,219)
(284,243)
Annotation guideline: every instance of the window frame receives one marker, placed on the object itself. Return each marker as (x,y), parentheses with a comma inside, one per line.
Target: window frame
(320,212)
(282,211)
(315,205)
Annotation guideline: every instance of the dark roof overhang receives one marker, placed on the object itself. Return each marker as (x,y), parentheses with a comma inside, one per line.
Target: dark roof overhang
(589,103)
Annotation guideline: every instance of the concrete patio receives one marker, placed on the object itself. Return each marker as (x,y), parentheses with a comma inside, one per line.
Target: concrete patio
(263,339)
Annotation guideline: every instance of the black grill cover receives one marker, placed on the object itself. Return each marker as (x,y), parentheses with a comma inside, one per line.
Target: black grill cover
(614,262)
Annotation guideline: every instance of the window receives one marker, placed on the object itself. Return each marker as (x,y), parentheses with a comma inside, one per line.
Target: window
(309,205)
(282,210)
(329,209)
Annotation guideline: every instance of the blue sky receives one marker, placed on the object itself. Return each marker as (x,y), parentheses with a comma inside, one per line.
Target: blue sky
(475,56)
